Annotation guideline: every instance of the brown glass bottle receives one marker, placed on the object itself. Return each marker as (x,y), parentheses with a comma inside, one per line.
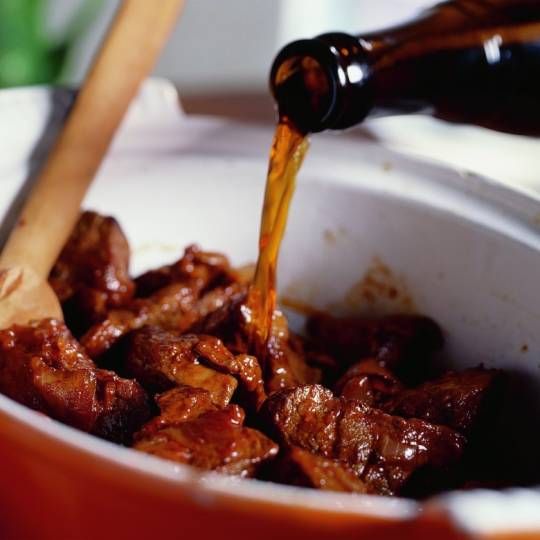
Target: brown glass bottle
(474,61)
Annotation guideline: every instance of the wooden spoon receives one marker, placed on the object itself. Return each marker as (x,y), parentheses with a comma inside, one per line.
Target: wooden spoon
(130,49)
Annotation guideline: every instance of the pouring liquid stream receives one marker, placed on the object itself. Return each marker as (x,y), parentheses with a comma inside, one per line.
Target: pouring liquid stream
(289,148)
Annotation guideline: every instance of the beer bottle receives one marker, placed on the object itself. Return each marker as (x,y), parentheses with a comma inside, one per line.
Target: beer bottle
(472,61)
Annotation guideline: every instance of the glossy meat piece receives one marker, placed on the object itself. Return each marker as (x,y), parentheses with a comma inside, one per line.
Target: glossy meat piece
(160,360)
(386,450)
(368,382)
(91,274)
(43,367)
(401,343)
(457,399)
(217,313)
(215,440)
(283,362)
(176,307)
(383,450)
(216,298)
(302,468)
(198,269)
(305,416)
(244,367)
(178,405)
(226,322)
(122,404)
(169,307)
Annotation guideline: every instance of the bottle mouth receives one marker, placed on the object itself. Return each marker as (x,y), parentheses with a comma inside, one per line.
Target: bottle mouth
(323,83)
(304,84)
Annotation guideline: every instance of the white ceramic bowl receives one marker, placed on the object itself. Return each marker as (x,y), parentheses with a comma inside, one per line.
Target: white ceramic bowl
(461,249)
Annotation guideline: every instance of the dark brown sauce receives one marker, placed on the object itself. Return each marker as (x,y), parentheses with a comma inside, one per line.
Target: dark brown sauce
(288,150)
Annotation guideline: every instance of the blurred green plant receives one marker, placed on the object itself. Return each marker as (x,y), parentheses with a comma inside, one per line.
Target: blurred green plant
(28,53)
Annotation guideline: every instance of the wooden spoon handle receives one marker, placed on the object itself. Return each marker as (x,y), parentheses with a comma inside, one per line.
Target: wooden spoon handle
(137,35)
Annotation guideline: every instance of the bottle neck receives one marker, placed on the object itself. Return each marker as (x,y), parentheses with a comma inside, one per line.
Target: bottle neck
(469,60)
(322,83)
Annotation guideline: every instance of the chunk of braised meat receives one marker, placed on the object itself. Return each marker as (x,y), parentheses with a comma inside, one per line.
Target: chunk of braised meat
(122,406)
(284,360)
(457,399)
(302,468)
(167,308)
(368,382)
(244,367)
(383,450)
(43,367)
(401,343)
(176,307)
(215,440)
(178,405)
(161,359)
(211,303)
(227,322)
(91,274)
(200,269)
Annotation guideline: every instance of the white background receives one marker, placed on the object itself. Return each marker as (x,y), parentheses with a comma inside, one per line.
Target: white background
(229,44)
(224,45)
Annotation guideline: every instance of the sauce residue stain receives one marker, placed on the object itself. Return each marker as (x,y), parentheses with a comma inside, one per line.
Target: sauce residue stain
(329,237)
(387,166)
(524,348)
(378,292)
(332,236)
(506,298)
